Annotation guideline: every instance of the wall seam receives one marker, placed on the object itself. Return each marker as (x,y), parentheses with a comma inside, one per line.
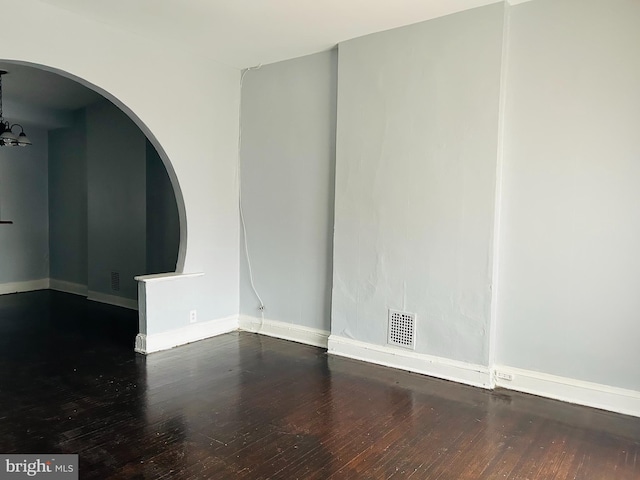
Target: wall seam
(497,219)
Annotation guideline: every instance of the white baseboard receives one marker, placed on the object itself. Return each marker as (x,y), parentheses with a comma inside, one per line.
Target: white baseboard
(82,290)
(141,344)
(112,300)
(68,287)
(188,334)
(285,331)
(461,372)
(28,286)
(569,390)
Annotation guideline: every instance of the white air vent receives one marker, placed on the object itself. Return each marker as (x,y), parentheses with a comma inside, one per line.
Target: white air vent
(402,331)
(115,281)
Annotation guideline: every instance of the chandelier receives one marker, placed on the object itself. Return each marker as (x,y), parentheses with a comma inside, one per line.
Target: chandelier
(7,137)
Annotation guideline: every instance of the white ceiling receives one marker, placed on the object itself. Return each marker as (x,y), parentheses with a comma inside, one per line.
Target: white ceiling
(238,33)
(244,33)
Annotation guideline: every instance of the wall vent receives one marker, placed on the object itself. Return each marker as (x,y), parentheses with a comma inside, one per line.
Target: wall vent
(402,329)
(115,281)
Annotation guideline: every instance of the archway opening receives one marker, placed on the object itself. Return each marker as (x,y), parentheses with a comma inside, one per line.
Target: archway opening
(94,201)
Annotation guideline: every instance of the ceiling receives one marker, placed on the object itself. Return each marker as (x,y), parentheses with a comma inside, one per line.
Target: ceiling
(238,33)
(244,33)
(32,86)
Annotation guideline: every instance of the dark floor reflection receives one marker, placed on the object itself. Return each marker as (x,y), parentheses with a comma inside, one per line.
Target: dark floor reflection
(247,406)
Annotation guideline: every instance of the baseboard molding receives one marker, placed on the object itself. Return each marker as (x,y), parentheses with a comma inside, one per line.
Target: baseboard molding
(141,344)
(82,290)
(284,331)
(188,334)
(461,372)
(28,286)
(570,390)
(68,287)
(112,300)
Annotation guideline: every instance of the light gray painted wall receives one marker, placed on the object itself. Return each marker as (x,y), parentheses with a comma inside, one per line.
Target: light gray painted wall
(24,246)
(116,192)
(68,201)
(415,181)
(163,223)
(288,161)
(569,259)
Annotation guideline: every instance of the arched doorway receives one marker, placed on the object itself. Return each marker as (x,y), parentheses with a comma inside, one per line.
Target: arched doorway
(93,201)
(189,105)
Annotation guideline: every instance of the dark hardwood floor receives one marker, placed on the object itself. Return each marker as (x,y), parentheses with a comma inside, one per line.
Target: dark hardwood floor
(246,406)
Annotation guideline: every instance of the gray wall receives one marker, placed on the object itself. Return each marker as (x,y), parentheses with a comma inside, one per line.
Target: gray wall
(24,246)
(68,201)
(288,159)
(163,223)
(569,258)
(116,196)
(112,205)
(415,181)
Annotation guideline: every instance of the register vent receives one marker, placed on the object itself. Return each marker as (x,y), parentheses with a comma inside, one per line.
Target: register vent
(402,331)
(115,281)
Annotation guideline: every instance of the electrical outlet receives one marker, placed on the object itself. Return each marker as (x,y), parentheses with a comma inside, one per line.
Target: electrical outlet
(504,376)
(193,316)
(261,308)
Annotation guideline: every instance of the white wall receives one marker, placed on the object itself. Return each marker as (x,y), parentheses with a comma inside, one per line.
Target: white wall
(194,95)
(569,258)
(288,162)
(416,162)
(24,246)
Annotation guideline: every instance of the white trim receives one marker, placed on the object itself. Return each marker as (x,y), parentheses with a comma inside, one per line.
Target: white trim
(467,373)
(141,343)
(511,3)
(161,277)
(187,334)
(68,287)
(112,300)
(28,286)
(285,331)
(570,390)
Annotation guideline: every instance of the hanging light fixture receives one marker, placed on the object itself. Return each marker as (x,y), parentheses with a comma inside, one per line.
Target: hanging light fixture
(7,137)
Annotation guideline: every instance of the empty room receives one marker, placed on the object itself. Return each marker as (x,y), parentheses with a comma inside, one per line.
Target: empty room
(279,240)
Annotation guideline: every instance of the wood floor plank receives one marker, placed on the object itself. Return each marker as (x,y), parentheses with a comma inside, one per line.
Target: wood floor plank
(244,406)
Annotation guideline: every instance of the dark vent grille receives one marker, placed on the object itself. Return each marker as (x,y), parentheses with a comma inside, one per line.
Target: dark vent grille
(115,281)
